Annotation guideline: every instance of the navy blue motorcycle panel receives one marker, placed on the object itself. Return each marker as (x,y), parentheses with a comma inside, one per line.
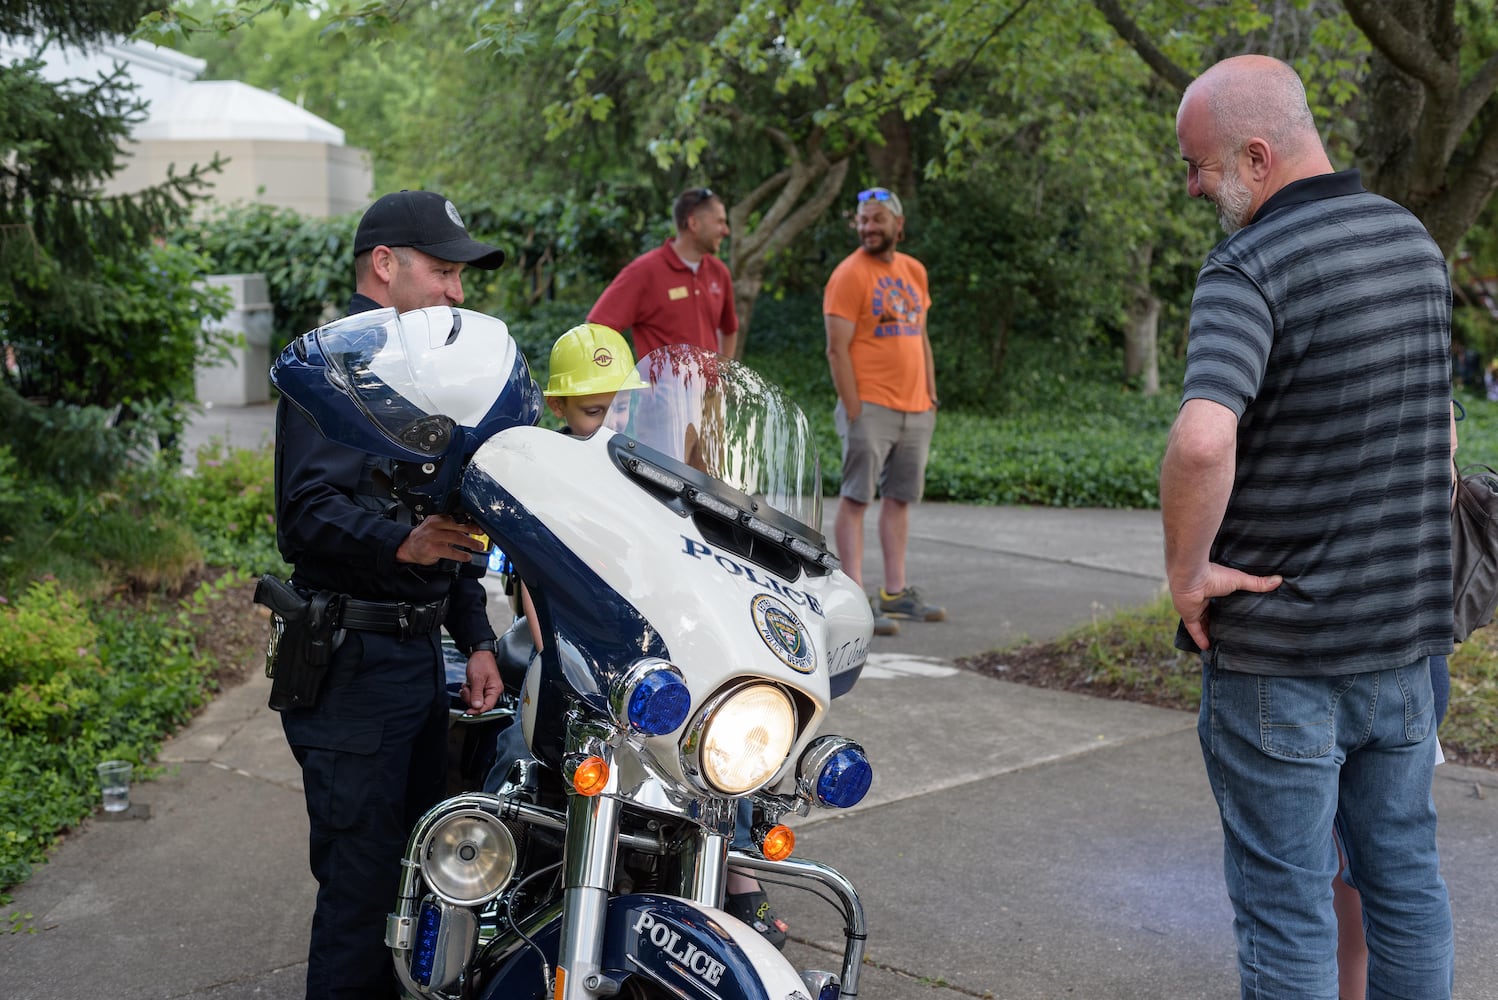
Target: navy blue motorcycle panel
(662,938)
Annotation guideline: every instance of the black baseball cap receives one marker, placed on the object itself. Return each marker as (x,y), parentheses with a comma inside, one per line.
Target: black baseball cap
(425,221)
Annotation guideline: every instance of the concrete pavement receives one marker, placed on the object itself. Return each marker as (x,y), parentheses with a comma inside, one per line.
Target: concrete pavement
(1017,843)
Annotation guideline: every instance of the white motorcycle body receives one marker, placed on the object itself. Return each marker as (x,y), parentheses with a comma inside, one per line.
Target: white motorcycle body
(703,607)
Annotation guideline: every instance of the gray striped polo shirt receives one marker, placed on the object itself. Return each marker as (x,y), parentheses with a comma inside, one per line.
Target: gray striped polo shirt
(1325,326)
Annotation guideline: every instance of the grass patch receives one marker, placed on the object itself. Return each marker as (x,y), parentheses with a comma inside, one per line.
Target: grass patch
(1130,656)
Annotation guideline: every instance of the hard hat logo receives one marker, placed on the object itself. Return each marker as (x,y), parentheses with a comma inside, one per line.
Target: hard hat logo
(603,357)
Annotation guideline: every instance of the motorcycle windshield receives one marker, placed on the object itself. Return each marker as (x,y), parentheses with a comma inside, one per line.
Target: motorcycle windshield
(723,419)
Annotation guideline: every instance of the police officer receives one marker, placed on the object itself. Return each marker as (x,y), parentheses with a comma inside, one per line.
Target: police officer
(373,748)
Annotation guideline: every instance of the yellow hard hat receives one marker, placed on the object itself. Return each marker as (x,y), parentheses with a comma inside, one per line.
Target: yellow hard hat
(590,359)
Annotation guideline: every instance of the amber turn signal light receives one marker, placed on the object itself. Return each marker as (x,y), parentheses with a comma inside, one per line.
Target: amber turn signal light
(779,842)
(591,776)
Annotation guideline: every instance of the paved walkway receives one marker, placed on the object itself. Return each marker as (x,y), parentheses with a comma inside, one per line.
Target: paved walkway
(1018,843)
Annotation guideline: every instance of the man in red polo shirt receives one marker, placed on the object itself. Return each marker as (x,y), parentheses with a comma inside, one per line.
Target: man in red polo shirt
(680,292)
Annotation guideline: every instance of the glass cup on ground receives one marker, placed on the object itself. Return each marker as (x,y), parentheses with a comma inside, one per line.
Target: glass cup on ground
(114,776)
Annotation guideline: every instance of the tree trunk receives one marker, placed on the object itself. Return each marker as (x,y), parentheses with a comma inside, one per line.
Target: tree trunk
(1142,325)
(893,160)
(1417,144)
(797,196)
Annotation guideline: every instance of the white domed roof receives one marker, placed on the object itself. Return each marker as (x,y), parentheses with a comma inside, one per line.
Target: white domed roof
(228,109)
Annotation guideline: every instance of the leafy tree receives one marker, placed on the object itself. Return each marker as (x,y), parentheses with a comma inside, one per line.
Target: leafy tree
(91,313)
(1426,117)
(368,73)
(778,103)
(768,103)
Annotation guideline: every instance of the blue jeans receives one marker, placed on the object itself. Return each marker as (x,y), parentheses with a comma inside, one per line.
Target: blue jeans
(1287,758)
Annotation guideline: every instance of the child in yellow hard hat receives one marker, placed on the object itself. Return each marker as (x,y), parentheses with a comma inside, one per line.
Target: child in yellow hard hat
(590,364)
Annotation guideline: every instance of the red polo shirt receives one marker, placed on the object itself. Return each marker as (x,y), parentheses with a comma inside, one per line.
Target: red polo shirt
(660,301)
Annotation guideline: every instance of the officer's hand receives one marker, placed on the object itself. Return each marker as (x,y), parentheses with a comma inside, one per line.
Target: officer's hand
(436,538)
(483,688)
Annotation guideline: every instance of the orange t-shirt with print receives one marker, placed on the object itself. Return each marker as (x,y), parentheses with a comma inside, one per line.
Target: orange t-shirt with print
(887,304)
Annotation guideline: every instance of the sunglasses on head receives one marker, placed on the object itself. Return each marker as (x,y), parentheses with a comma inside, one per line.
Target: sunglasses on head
(878,194)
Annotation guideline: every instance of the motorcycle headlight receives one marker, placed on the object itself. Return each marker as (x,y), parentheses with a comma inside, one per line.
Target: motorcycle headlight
(467,857)
(741,738)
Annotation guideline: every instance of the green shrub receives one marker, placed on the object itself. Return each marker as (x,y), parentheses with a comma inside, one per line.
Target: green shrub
(229,503)
(308,262)
(48,657)
(134,677)
(96,542)
(129,348)
(70,446)
(44,632)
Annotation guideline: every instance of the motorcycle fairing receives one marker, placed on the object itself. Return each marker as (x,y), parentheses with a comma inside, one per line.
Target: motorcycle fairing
(594,534)
(690,949)
(599,634)
(716,415)
(775,556)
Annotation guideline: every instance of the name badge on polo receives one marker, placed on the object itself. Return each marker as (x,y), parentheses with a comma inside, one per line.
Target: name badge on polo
(679,292)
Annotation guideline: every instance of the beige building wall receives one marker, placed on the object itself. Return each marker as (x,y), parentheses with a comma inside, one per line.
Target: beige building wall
(314,178)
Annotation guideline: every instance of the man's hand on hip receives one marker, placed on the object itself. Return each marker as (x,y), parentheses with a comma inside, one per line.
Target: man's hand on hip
(1193,598)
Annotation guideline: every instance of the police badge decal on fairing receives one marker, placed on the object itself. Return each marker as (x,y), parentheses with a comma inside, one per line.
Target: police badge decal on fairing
(783,632)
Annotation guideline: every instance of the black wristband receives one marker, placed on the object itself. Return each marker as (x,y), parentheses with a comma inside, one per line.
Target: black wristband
(482,646)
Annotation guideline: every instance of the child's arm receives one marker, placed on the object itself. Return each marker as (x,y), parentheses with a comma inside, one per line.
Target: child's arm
(530,617)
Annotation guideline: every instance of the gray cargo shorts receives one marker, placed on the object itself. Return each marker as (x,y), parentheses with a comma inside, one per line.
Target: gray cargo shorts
(887,448)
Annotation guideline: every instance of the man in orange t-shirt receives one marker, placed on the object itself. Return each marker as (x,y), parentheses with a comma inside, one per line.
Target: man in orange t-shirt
(875,307)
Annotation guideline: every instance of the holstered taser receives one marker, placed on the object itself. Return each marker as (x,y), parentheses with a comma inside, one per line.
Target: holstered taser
(301,641)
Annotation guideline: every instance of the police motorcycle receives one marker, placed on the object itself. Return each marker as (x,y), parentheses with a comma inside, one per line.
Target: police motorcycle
(695,630)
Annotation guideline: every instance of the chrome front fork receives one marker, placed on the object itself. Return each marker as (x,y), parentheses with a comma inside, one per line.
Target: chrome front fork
(701,860)
(587,879)
(589,857)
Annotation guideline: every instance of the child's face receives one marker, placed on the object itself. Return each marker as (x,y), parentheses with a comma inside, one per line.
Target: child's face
(582,414)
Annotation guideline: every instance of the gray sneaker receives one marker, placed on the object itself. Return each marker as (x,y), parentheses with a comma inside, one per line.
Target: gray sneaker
(908,604)
(882,625)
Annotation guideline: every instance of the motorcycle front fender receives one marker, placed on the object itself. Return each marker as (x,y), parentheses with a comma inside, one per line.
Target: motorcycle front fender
(688,948)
